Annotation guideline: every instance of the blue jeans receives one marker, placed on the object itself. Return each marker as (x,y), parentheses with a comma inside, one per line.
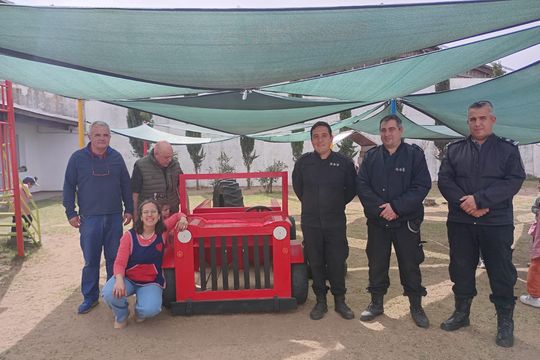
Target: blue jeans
(97,232)
(148,302)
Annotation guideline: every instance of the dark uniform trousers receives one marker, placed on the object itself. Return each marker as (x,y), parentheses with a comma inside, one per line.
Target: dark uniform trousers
(327,249)
(409,253)
(466,240)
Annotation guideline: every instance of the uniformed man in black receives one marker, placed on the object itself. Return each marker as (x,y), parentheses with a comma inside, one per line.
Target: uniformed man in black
(478,177)
(392,184)
(323,180)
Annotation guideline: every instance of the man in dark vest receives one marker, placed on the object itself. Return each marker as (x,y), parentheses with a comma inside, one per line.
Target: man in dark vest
(155,176)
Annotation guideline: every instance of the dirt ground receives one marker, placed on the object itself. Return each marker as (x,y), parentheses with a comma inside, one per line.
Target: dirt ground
(39,297)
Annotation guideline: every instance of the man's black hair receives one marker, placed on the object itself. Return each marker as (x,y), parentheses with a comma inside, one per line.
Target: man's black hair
(391,117)
(320,123)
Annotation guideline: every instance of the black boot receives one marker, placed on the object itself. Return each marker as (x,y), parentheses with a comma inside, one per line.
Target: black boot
(319,309)
(342,308)
(417,313)
(374,309)
(460,317)
(505,326)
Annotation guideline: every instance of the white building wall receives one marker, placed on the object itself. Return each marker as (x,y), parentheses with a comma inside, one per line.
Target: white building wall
(45,153)
(42,150)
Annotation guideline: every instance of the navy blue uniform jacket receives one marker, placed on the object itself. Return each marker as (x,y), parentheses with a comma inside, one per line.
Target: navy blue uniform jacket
(493,173)
(401,179)
(324,187)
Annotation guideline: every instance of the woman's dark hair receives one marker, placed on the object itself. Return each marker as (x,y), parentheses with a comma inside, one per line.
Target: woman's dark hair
(139,226)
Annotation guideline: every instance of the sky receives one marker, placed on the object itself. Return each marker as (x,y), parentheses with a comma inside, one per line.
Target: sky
(511,62)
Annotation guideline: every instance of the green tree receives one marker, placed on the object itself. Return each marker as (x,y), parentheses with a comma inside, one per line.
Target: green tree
(497,69)
(440,144)
(297,147)
(136,118)
(196,153)
(347,147)
(223,164)
(248,153)
(267,183)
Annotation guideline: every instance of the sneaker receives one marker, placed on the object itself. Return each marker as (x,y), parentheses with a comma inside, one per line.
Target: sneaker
(120,325)
(86,306)
(529,300)
(139,319)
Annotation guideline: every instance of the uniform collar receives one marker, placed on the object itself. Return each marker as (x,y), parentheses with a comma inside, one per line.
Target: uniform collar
(489,139)
(319,156)
(387,153)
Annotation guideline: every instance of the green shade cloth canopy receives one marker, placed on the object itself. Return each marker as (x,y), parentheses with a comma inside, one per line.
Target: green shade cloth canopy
(242,48)
(229,113)
(515,97)
(147,133)
(411,129)
(80,84)
(306,134)
(406,76)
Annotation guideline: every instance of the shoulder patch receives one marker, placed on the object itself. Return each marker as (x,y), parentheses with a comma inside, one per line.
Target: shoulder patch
(456,141)
(416,147)
(373,149)
(341,156)
(509,141)
(303,156)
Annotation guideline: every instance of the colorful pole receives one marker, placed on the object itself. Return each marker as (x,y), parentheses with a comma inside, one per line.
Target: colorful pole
(80,117)
(14,170)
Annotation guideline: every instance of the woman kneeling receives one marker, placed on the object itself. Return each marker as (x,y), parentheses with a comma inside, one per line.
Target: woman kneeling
(137,268)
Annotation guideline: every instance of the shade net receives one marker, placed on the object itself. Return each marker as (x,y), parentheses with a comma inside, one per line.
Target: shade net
(147,133)
(515,97)
(229,113)
(411,130)
(242,48)
(406,76)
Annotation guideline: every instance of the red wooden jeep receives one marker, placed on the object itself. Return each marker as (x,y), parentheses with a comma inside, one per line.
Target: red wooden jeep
(235,259)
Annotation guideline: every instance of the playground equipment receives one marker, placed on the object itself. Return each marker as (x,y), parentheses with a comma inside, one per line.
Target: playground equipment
(10,191)
(234,259)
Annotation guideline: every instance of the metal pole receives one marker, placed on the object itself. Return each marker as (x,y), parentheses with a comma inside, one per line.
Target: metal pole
(145,148)
(393,106)
(80,116)
(14,170)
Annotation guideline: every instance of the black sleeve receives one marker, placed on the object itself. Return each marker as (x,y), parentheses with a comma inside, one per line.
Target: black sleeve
(297,182)
(136,180)
(447,179)
(350,182)
(505,188)
(369,199)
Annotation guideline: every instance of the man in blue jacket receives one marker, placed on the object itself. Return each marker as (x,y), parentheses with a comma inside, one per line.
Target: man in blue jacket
(392,184)
(323,180)
(97,176)
(479,176)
